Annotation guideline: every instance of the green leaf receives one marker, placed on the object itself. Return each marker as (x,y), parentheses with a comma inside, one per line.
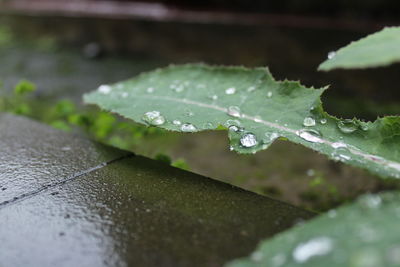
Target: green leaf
(24,87)
(256,109)
(362,234)
(378,49)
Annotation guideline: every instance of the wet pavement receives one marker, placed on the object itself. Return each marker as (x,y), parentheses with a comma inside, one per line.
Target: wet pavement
(67,201)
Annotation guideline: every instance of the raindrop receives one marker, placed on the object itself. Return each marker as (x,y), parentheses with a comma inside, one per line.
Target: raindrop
(347,126)
(323,121)
(331,54)
(176,122)
(104,89)
(232,122)
(214,97)
(189,113)
(187,127)
(269,94)
(364,127)
(257,119)
(150,90)
(271,136)
(179,88)
(234,111)
(251,89)
(310,135)
(318,246)
(308,122)
(124,94)
(248,140)
(233,128)
(153,117)
(230,91)
(337,145)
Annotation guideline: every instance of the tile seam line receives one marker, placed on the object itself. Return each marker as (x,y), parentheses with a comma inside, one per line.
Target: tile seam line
(70,178)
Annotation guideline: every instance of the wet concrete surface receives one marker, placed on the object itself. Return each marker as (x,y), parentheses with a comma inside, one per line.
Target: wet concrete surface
(66,201)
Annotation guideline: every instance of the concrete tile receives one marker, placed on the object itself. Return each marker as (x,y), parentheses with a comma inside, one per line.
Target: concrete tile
(131,211)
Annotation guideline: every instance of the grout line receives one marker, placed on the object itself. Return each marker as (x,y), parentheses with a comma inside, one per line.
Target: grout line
(70,178)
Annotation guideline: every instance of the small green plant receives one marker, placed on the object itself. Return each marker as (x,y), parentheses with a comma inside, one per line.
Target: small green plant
(256,110)
(67,116)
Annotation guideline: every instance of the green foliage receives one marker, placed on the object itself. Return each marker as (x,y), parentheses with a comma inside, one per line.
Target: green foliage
(357,235)
(378,49)
(24,87)
(255,109)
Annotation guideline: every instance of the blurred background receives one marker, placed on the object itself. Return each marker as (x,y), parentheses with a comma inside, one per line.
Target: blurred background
(66,48)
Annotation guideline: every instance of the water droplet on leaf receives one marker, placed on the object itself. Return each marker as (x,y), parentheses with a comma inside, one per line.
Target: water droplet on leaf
(331,54)
(310,135)
(318,246)
(347,126)
(248,140)
(308,122)
(323,121)
(153,118)
(257,119)
(251,89)
(230,91)
(104,89)
(269,94)
(234,111)
(150,90)
(188,127)
(177,122)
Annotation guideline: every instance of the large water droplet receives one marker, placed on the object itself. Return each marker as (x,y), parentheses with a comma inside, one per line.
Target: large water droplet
(176,122)
(347,126)
(230,91)
(154,118)
(248,140)
(104,89)
(318,246)
(234,111)
(331,54)
(308,122)
(188,127)
(310,135)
